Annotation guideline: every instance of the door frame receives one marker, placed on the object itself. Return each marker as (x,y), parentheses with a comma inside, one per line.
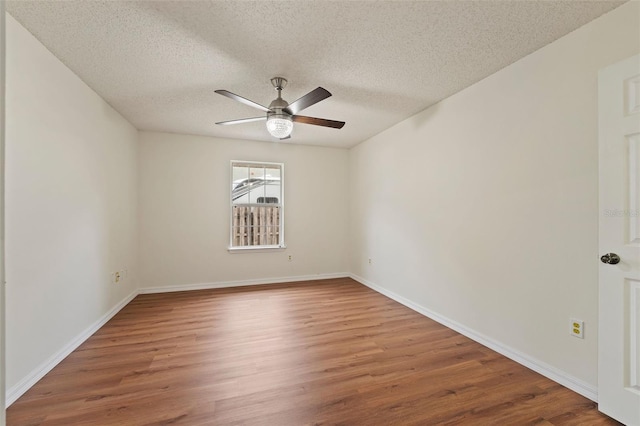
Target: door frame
(2,276)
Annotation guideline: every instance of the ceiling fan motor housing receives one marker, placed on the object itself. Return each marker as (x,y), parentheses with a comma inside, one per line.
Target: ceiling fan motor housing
(277,106)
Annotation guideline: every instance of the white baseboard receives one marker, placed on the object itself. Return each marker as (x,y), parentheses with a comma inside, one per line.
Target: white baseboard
(538,366)
(239,283)
(39,372)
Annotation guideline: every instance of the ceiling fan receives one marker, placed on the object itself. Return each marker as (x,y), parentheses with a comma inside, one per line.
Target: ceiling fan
(281,114)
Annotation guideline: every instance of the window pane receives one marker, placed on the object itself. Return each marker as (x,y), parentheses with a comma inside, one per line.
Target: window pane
(256,196)
(239,186)
(272,192)
(256,185)
(253,225)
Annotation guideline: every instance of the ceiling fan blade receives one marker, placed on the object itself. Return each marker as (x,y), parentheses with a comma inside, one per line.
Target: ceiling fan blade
(318,121)
(313,97)
(242,100)
(242,120)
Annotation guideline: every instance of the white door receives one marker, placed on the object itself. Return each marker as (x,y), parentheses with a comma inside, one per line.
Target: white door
(619,313)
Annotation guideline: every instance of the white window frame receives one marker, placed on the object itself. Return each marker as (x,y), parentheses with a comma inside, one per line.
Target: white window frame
(239,249)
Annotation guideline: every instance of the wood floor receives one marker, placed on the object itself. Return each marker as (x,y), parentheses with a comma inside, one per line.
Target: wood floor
(315,353)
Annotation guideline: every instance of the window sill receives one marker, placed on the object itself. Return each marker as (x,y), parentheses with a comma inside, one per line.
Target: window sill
(255,249)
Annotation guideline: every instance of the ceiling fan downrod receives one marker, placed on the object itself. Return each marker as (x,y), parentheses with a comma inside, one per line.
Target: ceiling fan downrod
(278,104)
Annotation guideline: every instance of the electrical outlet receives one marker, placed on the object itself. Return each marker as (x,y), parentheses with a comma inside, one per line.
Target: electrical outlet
(116,277)
(577,328)
(290,258)
(370,261)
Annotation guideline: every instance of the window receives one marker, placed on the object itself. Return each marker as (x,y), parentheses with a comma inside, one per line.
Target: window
(257,217)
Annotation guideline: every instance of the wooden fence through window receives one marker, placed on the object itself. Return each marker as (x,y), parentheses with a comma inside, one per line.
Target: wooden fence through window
(256,225)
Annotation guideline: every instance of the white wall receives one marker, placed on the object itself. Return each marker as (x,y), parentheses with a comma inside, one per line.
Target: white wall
(71,206)
(184,214)
(484,207)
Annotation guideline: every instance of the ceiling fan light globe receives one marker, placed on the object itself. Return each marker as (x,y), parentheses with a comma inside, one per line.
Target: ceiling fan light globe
(279,127)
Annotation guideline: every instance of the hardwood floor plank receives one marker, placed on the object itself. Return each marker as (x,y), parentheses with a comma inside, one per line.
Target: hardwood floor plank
(326,352)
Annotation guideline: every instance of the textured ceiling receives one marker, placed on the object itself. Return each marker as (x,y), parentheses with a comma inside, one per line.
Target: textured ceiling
(159,62)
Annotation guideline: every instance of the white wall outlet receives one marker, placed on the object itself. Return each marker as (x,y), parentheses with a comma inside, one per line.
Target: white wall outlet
(577,328)
(116,277)
(370,261)
(290,258)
